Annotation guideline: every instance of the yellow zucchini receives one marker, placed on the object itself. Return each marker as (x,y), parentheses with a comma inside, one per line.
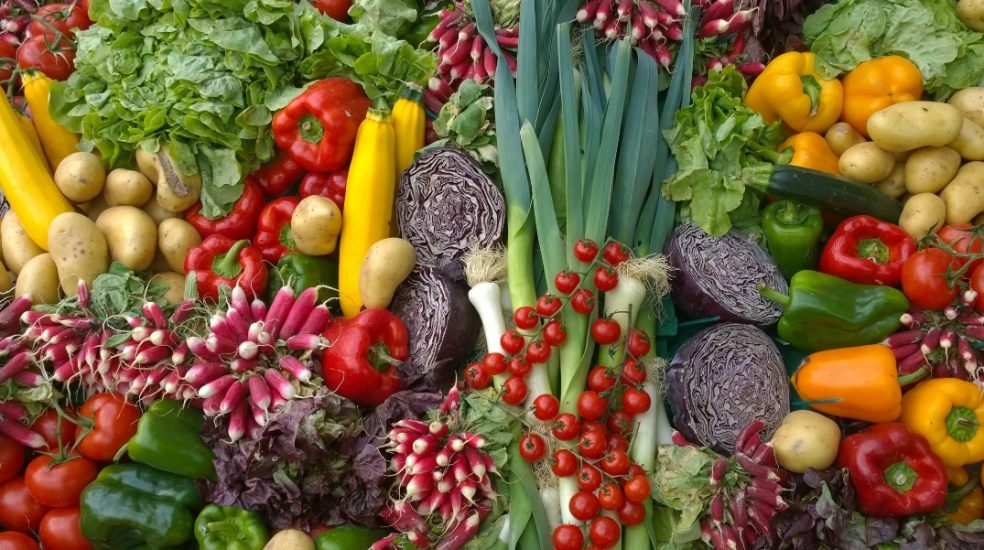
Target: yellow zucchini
(409,122)
(32,136)
(56,140)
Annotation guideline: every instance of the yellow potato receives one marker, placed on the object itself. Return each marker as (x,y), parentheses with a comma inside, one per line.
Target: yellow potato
(929,169)
(894,185)
(80,176)
(6,279)
(79,250)
(147,165)
(805,440)
(964,196)
(387,263)
(157,213)
(127,188)
(176,192)
(175,238)
(290,539)
(913,124)
(866,163)
(922,214)
(39,280)
(175,286)
(96,207)
(971,12)
(841,137)
(970,142)
(17,246)
(315,225)
(970,102)
(131,235)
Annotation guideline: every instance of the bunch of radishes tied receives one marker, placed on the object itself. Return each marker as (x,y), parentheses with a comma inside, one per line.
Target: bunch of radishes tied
(18,373)
(15,17)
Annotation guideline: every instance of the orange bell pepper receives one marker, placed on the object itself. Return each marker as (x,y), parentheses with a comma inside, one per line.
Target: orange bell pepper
(876,84)
(810,150)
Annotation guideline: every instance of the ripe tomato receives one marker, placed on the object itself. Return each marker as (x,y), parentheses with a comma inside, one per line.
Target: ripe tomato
(7,51)
(588,477)
(605,331)
(617,442)
(55,59)
(564,463)
(554,333)
(525,318)
(610,496)
(494,363)
(566,427)
(583,301)
(924,278)
(61,484)
(114,422)
(336,9)
(566,281)
(532,447)
(59,18)
(632,513)
(546,406)
(584,505)
(54,429)
(977,284)
(636,488)
(514,390)
(632,374)
(585,250)
(616,253)
(604,532)
(512,342)
(599,379)
(538,352)
(519,366)
(635,401)
(548,305)
(961,239)
(620,422)
(592,444)
(18,509)
(605,278)
(61,530)
(11,458)
(591,406)
(12,540)
(639,343)
(615,463)
(476,376)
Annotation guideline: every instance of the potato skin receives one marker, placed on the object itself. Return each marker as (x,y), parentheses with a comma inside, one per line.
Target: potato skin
(18,248)
(175,191)
(131,235)
(79,250)
(914,124)
(39,280)
(841,137)
(175,237)
(929,169)
(290,539)
(970,102)
(387,263)
(894,185)
(127,188)
(866,163)
(157,213)
(175,286)
(805,440)
(922,214)
(147,165)
(970,142)
(971,12)
(964,195)
(80,176)
(315,225)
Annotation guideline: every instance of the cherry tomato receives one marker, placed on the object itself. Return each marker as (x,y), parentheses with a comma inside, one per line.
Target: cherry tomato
(616,253)
(620,422)
(615,463)
(60,484)
(617,441)
(519,366)
(336,9)
(7,51)
(114,422)
(639,343)
(632,375)
(592,444)
(12,540)
(61,530)
(564,463)
(546,406)
(566,427)
(568,537)
(566,281)
(55,59)
(588,477)
(631,513)
(977,284)
(604,532)
(605,278)
(512,342)
(514,390)
(636,488)
(962,239)
(538,352)
(11,458)
(924,278)
(593,426)
(605,331)
(548,305)
(59,18)
(636,470)
(525,318)
(554,333)
(585,250)
(584,505)
(477,377)
(531,447)
(583,301)
(54,429)
(18,509)
(494,363)
(610,496)
(599,379)
(635,401)
(591,406)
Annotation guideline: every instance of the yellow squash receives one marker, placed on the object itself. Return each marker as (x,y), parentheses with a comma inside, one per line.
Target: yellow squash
(25,179)
(32,136)
(409,122)
(368,211)
(58,142)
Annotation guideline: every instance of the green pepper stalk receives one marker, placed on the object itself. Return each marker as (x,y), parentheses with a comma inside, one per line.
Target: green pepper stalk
(229,528)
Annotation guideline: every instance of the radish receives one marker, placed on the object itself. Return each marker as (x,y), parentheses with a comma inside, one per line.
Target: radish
(21,434)
(259,392)
(294,366)
(217,386)
(237,423)
(279,384)
(317,321)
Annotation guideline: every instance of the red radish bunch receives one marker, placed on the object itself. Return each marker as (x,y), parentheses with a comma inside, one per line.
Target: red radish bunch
(245,364)
(17,371)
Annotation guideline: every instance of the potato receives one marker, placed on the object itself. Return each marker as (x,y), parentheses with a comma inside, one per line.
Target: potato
(964,196)
(131,235)
(929,169)
(971,12)
(17,247)
(913,124)
(176,192)
(79,249)
(805,440)
(970,142)
(175,286)
(175,237)
(127,188)
(841,137)
(866,163)
(157,213)
(922,214)
(290,539)
(148,165)
(39,280)
(970,102)
(894,185)
(315,225)
(6,278)
(80,176)
(387,263)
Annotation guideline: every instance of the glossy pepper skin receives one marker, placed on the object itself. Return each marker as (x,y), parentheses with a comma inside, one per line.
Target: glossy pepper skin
(304,271)
(826,312)
(859,383)
(949,413)
(330,186)
(810,150)
(273,237)
(876,84)
(240,223)
(167,439)
(361,360)
(894,471)
(789,90)
(137,507)
(229,528)
(792,231)
(867,251)
(347,537)
(221,261)
(317,129)
(277,177)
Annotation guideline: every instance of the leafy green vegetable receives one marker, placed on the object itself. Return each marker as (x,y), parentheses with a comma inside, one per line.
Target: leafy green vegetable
(681,485)
(928,32)
(395,17)
(466,121)
(724,153)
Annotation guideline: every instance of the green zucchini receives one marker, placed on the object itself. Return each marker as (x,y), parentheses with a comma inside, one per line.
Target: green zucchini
(832,193)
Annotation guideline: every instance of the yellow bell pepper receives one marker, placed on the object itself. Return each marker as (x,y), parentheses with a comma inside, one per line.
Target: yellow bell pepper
(789,90)
(58,142)
(810,150)
(957,477)
(970,505)
(949,413)
(876,84)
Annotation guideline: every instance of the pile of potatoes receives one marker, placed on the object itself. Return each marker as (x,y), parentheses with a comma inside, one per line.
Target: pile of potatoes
(129,216)
(928,154)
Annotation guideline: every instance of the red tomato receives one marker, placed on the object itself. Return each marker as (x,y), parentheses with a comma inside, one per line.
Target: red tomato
(546,406)
(8,52)
(11,458)
(591,405)
(114,423)
(605,331)
(636,401)
(566,426)
(532,447)
(53,429)
(55,60)
(610,496)
(924,278)
(585,250)
(639,343)
(564,463)
(632,513)
(59,18)
(599,379)
(476,377)
(61,530)
(584,505)
(12,540)
(336,9)
(61,484)
(604,532)
(636,488)
(632,373)
(514,390)
(568,537)
(18,509)
(605,278)
(616,253)
(977,284)
(592,444)
(962,239)
(615,463)
(554,333)
(588,477)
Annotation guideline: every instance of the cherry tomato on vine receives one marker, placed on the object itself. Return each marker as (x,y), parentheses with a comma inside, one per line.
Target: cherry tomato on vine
(61,529)
(636,470)
(514,390)
(18,509)
(600,379)
(477,377)
(592,444)
(566,427)
(114,422)
(615,463)
(512,342)
(586,250)
(54,429)
(632,375)
(584,505)
(977,284)
(7,51)
(635,401)
(962,239)
(591,406)
(60,484)
(546,406)
(12,540)
(566,281)
(639,344)
(605,331)
(605,278)
(604,532)
(616,253)
(583,301)
(494,363)
(636,488)
(620,422)
(554,333)
(617,442)
(564,463)
(519,366)
(11,458)
(588,477)
(593,426)
(336,9)
(924,278)
(567,537)
(525,318)
(610,496)
(54,58)
(548,305)
(538,352)
(631,513)
(52,19)
(531,447)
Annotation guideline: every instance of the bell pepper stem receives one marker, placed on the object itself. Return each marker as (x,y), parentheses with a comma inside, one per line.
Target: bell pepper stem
(873,249)
(311,130)
(227,264)
(791,213)
(913,376)
(774,295)
(900,476)
(961,424)
(812,90)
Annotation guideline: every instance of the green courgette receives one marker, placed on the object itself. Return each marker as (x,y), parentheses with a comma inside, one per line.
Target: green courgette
(832,193)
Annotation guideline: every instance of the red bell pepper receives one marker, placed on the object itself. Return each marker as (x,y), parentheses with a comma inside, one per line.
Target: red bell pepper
(894,471)
(867,251)
(221,261)
(273,237)
(276,178)
(331,186)
(317,129)
(361,360)
(240,223)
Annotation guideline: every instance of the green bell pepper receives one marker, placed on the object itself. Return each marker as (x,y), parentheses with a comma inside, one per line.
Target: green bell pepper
(303,271)
(167,439)
(792,231)
(348,537)
(230,528)
(136,507)
(827,312)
